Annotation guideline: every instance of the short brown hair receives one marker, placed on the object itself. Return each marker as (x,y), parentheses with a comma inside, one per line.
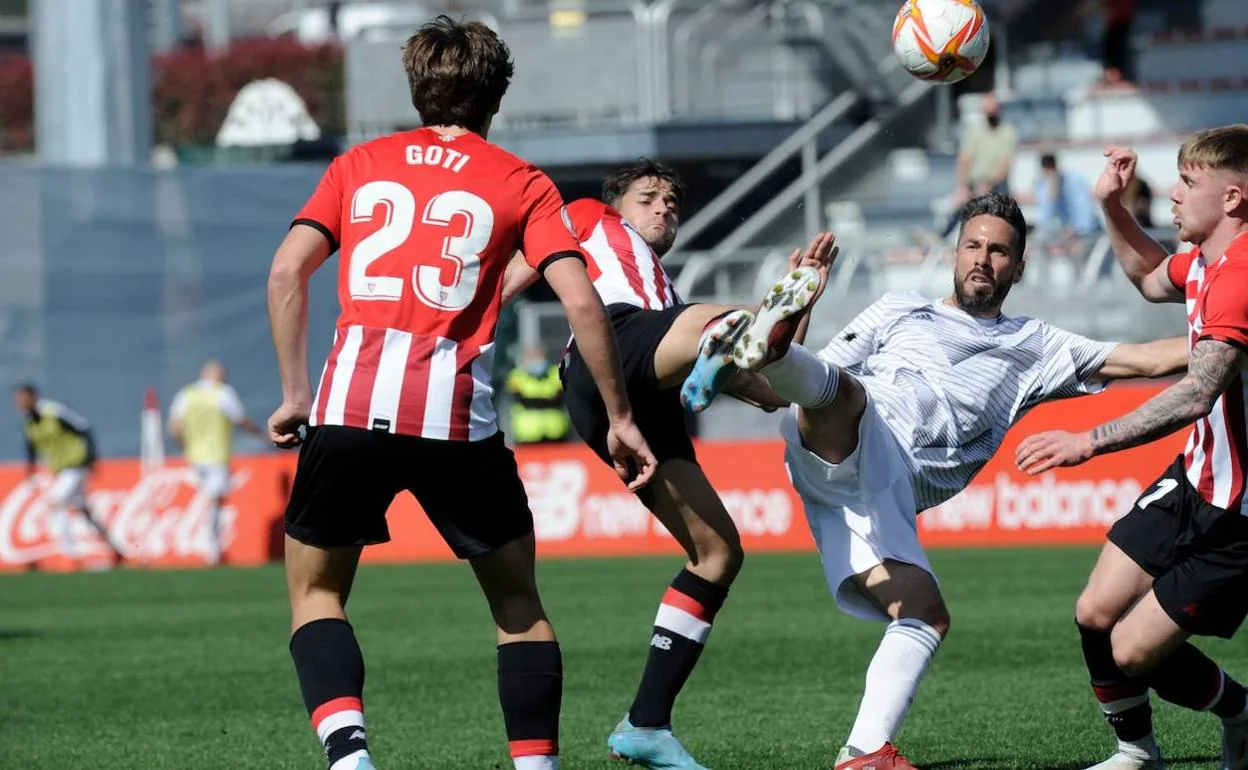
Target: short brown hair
(457,73)
(614,186)
(1217,149)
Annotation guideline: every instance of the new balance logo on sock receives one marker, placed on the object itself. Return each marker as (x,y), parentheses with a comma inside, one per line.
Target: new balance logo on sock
(660,641)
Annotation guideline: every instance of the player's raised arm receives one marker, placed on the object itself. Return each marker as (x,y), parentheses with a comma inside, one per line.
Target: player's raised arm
(1142,258)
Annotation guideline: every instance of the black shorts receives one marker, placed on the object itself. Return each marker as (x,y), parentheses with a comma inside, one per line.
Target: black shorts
(1197,554)
(347,478)
(658,413)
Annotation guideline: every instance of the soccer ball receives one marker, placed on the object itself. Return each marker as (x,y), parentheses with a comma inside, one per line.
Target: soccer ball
(940,40)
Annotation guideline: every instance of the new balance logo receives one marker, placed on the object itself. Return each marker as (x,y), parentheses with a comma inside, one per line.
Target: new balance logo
(660,641)
(849,336)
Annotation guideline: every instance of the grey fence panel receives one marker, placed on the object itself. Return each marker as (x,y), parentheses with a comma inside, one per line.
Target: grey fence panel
(115,281)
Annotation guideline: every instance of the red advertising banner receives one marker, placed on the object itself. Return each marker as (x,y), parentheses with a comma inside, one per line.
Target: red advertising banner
(579,506)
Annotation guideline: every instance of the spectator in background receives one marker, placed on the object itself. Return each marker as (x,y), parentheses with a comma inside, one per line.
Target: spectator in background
(1138,198)
(1116,43)
(61,438)
(202,420)
(537,412)
(1065,210)
(983,160)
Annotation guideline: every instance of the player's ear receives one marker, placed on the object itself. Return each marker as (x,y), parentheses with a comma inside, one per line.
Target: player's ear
(1234,198)
(1018,274)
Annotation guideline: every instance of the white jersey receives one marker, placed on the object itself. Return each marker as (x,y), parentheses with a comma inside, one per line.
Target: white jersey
(950,385)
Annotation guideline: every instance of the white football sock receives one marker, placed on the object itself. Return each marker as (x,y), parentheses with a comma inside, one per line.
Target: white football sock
(892,678)
(803,378)
(537,763)
(1144,748)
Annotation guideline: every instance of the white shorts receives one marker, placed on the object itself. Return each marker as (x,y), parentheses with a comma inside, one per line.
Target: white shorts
(213,480)
(861,511)
(69,488)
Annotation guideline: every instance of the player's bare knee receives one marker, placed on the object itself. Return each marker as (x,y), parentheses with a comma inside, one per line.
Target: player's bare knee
(1091,612)
(1131,657)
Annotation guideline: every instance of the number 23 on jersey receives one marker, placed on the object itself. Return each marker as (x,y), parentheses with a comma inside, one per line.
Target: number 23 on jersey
(463,223)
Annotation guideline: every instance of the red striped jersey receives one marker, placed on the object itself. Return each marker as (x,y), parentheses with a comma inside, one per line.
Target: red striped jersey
(1217,309)
(427,224)
(621,264)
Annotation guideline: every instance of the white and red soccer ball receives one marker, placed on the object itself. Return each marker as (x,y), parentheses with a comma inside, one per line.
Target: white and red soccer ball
(940,40)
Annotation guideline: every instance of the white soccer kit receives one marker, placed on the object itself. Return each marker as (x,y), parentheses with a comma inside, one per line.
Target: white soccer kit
(943,387)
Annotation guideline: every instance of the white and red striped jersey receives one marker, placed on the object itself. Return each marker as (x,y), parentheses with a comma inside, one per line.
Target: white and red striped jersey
(621,264)
(427,224)
(1216,454)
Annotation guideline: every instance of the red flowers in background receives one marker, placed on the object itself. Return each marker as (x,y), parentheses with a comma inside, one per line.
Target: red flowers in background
(192,89)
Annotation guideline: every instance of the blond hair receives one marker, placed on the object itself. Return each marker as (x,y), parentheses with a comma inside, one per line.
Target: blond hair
(1217,149)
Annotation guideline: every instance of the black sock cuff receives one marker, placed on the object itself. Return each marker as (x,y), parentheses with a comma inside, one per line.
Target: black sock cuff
(701,590)
(530,658)
(315,631)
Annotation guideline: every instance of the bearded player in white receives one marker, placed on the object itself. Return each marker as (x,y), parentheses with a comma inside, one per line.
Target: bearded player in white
(897,415)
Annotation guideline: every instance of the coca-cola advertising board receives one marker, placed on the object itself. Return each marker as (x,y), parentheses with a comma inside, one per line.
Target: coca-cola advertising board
(580,508)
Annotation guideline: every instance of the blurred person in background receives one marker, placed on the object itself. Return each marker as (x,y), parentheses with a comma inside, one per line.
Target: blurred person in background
(1138,199)
(61,439)
(984,160)
(202,419)
(427,221)
(537,412)
(1065,209)
(1116,43)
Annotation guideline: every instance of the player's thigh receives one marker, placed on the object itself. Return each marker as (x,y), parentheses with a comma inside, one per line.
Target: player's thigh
(69,488)
(678,348)
(345,481)
(689,507)
(1141,545)
(1145,636)
(1116,583)
(1204,592)
(318,580)
(833,431)
(472,494)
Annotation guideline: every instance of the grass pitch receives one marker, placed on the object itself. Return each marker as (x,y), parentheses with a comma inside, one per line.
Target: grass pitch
(190,670)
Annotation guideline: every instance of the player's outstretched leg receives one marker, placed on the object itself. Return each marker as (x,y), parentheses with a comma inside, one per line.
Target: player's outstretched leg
(326,654)
(530,664)
(714,366)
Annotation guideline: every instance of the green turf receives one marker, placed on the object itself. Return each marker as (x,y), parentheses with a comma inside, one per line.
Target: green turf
(190,670)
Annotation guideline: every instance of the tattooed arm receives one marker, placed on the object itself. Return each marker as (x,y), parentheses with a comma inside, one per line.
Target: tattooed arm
(1212,367)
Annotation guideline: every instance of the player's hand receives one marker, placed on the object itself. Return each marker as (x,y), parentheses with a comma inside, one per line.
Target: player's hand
(1052,449)
(1118,173)
(625,443)
(285,423)
(821,254)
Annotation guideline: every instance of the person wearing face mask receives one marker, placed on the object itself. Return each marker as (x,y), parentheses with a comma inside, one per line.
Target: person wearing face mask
(537,412)
(984,160)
